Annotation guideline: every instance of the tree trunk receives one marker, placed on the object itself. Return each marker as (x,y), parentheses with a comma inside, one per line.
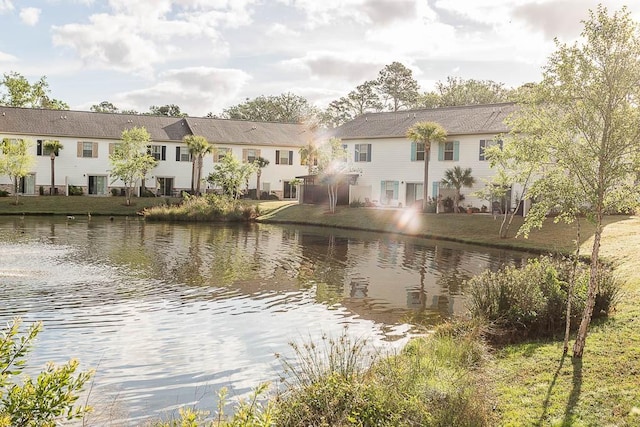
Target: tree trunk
(581,338)
(456,202)
(572,285)
(425,186)
(258,174)
(198,172)
(193,175)
(53,175)
(15,189)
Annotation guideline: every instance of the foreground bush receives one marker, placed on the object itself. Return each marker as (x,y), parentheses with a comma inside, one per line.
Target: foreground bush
(433,381)
(531,302)
(47,401)
(210,207)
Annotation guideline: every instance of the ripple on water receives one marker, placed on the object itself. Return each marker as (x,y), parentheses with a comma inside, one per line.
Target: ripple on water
(168,314)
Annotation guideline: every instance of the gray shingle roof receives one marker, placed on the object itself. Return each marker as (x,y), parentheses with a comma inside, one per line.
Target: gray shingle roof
(465,120)
(220,131)
(89,125)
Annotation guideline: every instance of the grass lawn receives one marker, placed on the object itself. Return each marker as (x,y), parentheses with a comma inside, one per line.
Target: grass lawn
(481,229)
(78,205)
(534,385)
(82,205)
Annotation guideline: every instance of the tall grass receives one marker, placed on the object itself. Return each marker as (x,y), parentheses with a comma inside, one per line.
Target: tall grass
(210,207)
(433,381)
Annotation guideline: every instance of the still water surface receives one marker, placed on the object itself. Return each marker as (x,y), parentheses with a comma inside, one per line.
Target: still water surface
(168,314)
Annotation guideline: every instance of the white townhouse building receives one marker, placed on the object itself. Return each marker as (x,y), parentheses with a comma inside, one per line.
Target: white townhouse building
(88,138)
(391,166)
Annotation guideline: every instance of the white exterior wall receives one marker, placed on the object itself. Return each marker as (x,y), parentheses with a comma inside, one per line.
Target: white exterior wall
(73,170)
(391,161)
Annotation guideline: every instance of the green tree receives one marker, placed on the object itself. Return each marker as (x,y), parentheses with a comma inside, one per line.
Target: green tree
(458,91)
(333,163)
(18,92)
(48,400)
(260,163)
(16,161)
(516,163)
(286,108)
(105,107)
(426,133)
(130,161)
(397,86)
(54,147)
(586,111)
(198,148)
(230,175)
(363,99)
(457,178)
(170,110)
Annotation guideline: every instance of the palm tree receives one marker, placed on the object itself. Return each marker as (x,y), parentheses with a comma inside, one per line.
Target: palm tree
(457,178)
(260,163)
(54,147)
(198,148)
(426,133)
(309,156)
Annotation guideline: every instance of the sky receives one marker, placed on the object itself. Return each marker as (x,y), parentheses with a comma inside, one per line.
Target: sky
(207,55)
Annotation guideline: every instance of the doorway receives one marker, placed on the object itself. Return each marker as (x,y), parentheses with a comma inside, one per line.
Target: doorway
(289,191)
(98,185)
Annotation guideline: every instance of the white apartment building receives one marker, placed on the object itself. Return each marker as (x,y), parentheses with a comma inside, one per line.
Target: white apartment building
(391,167)
(88,138)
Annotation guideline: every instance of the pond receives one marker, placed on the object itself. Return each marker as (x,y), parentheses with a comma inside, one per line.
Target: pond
(168,314)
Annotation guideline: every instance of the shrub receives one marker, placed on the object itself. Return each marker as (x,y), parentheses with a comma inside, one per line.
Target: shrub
(4,193)
(531,301)
(75,190)
(357,204)
(46,401)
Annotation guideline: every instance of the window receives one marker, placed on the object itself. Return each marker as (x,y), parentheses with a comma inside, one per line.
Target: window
(159,152)
(219,153)
(249,155)
(284,157)
(182,154)
(449,150)
(362,153)
(486,143)
(43,150)
(417,151)
(87,149)
(389,192)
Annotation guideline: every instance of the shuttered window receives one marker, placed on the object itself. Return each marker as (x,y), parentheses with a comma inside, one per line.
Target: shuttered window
(284,157)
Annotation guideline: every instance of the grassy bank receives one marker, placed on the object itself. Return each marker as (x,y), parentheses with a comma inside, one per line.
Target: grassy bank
(533,383)
(107,206)
(79,205)
(480,229)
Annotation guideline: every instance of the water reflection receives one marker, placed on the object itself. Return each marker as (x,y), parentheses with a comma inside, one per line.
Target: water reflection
(170,313)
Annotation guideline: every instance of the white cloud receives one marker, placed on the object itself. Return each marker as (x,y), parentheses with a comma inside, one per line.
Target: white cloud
(135,36)
(280,30)
(336,65)
(5,57)
(6,6)
(30,15)
(197,90)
